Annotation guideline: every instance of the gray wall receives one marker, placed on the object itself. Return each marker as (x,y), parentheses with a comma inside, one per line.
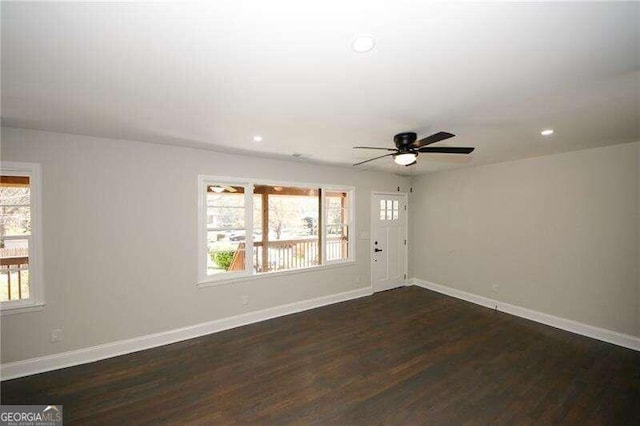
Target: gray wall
(120,243)
(558,234)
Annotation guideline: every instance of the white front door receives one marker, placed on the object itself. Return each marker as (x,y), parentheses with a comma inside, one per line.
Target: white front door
(388,242)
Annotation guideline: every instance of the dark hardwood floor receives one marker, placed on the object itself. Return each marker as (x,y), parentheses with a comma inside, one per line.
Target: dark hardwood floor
(405,356)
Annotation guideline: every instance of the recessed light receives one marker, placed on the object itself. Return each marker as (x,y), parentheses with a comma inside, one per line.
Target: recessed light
(257,138)
(363,43)
(546,132)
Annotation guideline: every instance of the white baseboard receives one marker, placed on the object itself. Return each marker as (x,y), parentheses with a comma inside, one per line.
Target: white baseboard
(41,364)
(620,339)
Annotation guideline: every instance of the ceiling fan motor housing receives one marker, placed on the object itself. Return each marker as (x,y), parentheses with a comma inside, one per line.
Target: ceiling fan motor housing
(403,141)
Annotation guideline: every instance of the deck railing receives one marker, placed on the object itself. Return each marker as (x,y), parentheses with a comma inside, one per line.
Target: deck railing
(283,255)
(14,274)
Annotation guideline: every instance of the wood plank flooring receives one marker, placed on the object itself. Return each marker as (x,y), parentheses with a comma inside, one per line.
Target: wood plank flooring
(406,356)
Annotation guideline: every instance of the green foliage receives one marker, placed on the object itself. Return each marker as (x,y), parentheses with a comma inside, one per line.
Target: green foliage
(222,258)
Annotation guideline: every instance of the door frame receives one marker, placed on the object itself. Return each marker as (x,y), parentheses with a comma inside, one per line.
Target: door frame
(372,212)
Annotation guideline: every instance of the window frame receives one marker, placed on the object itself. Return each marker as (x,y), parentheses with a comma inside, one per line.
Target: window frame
(36,282)
(204,280)
(350,218)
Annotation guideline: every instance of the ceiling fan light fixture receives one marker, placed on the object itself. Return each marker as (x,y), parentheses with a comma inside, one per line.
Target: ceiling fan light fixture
(217,189)
(405,158)
(546,132)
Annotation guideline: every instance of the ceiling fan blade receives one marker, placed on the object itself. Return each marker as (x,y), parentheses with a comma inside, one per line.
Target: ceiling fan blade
(447,149)
(411,164)
(436,137)
(371,159)
(372,147)
(230,189)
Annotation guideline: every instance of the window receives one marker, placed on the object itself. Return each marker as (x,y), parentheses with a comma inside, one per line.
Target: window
(389,209)
(20,278)
(226,224)
(252,228)
(337,224)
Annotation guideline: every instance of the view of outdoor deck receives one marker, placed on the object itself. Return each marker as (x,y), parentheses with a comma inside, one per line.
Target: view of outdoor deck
(14,274)
(283,255)
(287,228)
(15,235)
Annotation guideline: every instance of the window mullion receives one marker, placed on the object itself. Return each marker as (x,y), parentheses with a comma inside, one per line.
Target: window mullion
(322,231)
(349,216)
(203,209)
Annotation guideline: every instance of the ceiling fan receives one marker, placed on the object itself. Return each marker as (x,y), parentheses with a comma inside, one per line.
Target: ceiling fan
(408,147)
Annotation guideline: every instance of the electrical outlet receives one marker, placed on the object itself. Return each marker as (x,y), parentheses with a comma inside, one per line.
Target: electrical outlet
(495,287)
(244,300)
(56,335)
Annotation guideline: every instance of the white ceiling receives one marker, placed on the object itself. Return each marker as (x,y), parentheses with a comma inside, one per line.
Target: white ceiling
(215,74)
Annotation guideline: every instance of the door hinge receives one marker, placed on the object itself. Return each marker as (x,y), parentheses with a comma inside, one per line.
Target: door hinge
(405,208)
(405,242)
(405,276)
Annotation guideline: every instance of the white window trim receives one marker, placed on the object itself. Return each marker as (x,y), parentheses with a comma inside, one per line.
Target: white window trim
(204,280)
(36,282)
(351,192)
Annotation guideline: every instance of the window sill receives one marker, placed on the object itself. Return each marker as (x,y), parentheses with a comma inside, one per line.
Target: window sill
(13,310)
(226,281)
